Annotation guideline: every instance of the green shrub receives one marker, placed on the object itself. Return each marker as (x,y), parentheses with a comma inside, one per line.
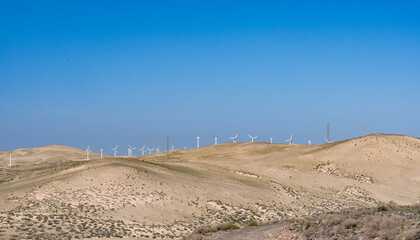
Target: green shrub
(382,209)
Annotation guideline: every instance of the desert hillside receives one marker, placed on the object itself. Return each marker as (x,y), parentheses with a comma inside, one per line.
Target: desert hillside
(52,153)
(61,195)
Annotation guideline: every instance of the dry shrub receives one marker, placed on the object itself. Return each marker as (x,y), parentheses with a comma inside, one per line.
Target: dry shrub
(412,234)
(195,237)
(307,233)
(331,219)
(388,234)
(222,227)
(394,221)
(349,223)
(362,212)
(339,230)
(386,227)
(226,226)
(201,230)
(393,205)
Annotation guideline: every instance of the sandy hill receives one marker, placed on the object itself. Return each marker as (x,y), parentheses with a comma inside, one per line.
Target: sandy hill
(150,196)
(51,153)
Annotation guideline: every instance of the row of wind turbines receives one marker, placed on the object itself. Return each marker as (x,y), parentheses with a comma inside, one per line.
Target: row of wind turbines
(157,150)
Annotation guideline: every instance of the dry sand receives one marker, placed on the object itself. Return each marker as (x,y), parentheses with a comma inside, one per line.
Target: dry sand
(52,192)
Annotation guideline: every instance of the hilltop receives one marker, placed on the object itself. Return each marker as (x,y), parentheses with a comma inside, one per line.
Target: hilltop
(149,196)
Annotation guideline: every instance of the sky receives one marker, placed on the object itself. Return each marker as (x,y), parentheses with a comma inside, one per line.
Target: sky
(103,73)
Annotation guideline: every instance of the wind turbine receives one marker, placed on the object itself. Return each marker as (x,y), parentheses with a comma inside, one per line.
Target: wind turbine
(290,140)
(271,139)
(252,138)
(130,150)
(87,152)
(234,138)
(150,150)
(198,142)
(142,150)
(309,142)
(157,149)
(172,148)
(102,151)
(115,150)
(328,141)
(10,160)
(215,139)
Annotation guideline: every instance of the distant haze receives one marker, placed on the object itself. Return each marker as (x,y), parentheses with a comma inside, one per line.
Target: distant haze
(103,74)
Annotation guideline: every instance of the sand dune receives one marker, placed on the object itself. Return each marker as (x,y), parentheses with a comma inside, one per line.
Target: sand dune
(148,196)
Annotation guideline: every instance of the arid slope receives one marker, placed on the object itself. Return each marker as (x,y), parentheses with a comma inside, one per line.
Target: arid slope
(150,196)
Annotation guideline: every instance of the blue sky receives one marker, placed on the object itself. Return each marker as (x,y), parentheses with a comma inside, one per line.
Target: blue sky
(120,72)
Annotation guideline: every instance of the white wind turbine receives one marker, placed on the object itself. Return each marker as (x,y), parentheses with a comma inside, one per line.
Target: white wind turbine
(172,148)
(309,142)
(10,160)
(252,138)
(271,139)
(215,139)
(157,149)
(142,150)
(87,152)
(150,150)
(198,142)
(290,140)
(130,150)
(234,138)
(115,150)
(102,152)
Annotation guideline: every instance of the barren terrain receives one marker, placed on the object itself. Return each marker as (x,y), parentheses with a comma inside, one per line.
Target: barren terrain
(52,192)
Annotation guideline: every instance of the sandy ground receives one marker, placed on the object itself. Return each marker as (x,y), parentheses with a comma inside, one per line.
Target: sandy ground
(52,192)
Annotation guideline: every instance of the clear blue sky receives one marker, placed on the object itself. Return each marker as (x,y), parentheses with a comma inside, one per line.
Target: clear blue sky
(120,72)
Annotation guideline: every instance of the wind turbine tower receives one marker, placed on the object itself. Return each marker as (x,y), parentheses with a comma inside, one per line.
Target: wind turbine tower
(102,151)
(142,150)
(215,139)
(10,160)
(309,142)
(198,142)
(290,140)
(115,150)
(252,138)
(271,139)
(87,153)
(157,149)
(130,150)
